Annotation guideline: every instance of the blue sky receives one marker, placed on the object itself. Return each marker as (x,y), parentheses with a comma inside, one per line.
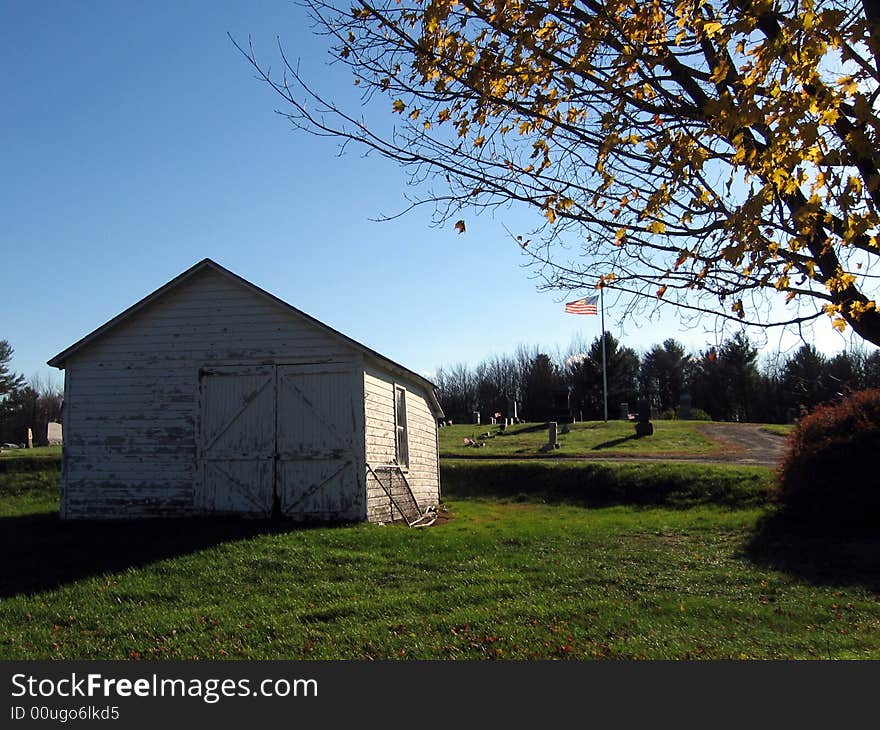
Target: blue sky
(135,141)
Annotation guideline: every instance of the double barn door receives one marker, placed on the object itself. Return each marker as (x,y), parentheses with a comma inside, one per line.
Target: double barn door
(278,439)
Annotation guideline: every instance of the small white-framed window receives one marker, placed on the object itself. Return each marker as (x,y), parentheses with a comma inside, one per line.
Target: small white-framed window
(401,439)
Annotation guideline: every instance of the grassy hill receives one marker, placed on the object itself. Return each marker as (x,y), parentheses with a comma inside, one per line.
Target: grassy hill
(604,484)
(590,438)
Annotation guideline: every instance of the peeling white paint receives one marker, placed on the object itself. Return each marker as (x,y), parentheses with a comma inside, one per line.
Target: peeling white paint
(145,402)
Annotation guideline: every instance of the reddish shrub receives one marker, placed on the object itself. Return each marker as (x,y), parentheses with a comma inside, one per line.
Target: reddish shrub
(831,469)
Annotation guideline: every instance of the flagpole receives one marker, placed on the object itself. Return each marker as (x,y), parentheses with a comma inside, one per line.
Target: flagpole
(604,373)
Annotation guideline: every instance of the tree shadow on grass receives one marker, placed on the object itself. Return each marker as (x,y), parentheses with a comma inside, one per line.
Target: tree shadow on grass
(615,442)
(838,557)
(517,430)
(42,552)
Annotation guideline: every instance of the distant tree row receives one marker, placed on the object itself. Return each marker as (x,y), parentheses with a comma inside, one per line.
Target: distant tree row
(24,404)
(725,383)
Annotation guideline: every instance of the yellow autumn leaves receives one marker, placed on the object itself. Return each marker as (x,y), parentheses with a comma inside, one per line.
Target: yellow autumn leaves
(734,131)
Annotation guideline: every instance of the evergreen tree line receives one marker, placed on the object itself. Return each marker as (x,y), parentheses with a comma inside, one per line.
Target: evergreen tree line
(725,383)
(24,404)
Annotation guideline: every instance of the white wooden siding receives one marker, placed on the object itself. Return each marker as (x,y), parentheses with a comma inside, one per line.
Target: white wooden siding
(132,395)
(423,472)
(65,421)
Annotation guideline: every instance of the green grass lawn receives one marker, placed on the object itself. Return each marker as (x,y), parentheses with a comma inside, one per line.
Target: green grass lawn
(511,576)
(28,485)
(588,438)
(35,453)
(780,429)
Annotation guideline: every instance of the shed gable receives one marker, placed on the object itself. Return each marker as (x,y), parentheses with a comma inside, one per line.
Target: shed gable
(214,316)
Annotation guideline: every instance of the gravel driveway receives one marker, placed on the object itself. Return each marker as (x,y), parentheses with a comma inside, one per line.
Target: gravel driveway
(743,443)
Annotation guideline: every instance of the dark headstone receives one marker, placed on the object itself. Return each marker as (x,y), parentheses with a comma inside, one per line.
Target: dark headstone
(684,406)
(561,405)
(644,427)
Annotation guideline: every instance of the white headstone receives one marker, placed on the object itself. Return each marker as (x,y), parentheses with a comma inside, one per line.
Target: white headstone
(54,434)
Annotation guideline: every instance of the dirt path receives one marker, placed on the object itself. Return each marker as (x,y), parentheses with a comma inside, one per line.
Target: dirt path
(744,443)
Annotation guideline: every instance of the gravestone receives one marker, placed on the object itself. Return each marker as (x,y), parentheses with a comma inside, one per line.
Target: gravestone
(54,434)
(30,440)
(684,406)
(552,439)
(560,405)
(476,418)
(644,427)
(624,411)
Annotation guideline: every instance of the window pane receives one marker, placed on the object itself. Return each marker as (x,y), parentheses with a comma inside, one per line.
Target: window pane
(400,426)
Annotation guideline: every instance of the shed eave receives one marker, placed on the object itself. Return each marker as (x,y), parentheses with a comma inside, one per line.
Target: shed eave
(430,388)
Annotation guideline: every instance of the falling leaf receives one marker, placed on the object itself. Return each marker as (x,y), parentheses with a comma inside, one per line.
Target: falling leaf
(459,226)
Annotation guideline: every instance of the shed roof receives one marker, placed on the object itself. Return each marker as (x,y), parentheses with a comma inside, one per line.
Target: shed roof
(61,358)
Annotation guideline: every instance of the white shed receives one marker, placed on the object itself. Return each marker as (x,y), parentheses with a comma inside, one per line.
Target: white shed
(211,396)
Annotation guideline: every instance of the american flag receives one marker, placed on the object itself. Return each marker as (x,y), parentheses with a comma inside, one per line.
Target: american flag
(587,305)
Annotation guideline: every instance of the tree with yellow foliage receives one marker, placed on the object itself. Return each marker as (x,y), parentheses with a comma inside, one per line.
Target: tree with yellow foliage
(714,156)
